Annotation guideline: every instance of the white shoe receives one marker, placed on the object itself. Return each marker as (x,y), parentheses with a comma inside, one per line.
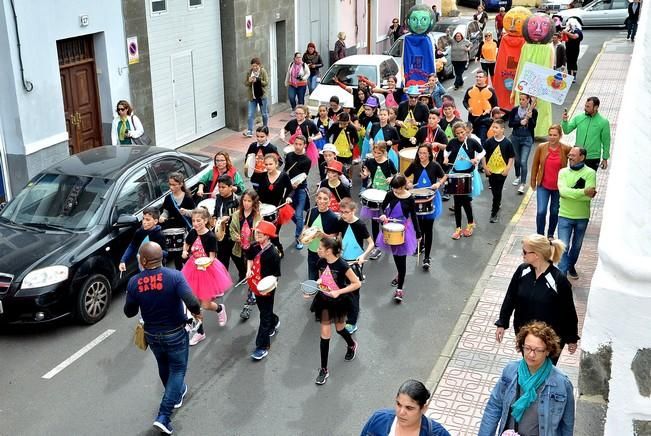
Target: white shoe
(521,189)
(196,338)
(516,182)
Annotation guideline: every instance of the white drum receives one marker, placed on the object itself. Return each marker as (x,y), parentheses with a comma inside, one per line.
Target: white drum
(267,284)
(297,180)
(209,204)
(203,262)
(373,198)
(269,212)
(288,149)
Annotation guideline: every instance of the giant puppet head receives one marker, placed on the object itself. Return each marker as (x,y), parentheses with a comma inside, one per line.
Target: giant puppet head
(514,20)
(538,29)
(420,19)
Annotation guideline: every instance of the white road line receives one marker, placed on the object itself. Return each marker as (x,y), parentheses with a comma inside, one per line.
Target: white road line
(70,360)
(583,49)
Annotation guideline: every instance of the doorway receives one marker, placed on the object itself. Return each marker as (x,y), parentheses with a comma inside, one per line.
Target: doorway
(80,95)
(279,56)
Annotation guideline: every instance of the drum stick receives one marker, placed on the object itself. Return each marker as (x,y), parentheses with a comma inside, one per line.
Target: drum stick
(239,283)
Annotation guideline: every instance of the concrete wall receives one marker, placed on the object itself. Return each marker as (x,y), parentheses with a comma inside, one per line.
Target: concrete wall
(34,125)
(239,49)
(615,373)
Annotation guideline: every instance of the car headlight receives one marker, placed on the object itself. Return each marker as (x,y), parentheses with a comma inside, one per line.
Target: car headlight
(45,277)
(313,102)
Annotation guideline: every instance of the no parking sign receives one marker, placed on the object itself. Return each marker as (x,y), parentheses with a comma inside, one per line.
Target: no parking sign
(249,26)
(132,50)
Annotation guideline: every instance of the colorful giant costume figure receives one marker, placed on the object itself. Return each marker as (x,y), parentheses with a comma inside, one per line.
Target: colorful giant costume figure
(537,32)
(418,53)
(508,55)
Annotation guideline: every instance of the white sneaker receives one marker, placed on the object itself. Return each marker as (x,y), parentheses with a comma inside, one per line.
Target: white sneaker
(196,338)
(516,182)
(521,189)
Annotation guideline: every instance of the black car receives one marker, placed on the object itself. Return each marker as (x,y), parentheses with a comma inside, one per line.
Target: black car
(62,236)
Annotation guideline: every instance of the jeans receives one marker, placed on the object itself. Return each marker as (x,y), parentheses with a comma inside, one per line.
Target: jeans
(299,201)
(312,83)
(459,68)
(171,353)
(574,229)
(296,95)
(496,182)
(545,197)
(264,111)
(268,320)
(631,29)
(522,147)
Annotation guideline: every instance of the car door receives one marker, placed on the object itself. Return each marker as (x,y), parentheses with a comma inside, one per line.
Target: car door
(617,14)
(161,170)
(596,13)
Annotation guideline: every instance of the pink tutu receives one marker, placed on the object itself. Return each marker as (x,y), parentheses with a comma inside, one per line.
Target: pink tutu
(209,284)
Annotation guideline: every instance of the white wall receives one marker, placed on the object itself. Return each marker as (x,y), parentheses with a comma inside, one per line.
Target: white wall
(619,306)
(41,23)
(181,30)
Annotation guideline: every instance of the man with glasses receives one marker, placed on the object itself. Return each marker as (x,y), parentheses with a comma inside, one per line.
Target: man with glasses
(577,186)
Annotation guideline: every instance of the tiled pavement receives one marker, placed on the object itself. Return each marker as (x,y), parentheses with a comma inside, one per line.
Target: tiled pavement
(475,362)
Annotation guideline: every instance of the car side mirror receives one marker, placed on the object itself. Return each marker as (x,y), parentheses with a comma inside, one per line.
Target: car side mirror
(126,220)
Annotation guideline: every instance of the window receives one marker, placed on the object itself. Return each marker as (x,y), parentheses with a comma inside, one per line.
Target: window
(135,194)
(348,74)
(599,6)
(162,170)
(194,4)
(396,50)
(158,6)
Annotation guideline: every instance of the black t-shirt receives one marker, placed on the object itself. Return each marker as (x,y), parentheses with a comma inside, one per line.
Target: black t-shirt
(389,132)
(308,128)
(208,240)
(506,148)
(351,133)
(364,120)
(433,170)
(174,217)
(340,191)
(420,111)
(338,269)
(408,206)
(296,164)
(264,149)
(387,167)
(274,193)
(329,220)
(359,229)
(334,114)
(437,135)
(269,259)
(470,146)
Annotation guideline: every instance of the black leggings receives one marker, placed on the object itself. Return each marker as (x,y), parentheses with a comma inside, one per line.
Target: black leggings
(375,229)
(401,266)
(427,228)
(276,241)
(464,201)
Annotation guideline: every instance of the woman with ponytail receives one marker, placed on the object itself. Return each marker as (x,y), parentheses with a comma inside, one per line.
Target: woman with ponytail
(539,291)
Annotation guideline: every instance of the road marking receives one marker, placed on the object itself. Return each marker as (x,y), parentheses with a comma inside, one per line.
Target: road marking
(70,360)
(583,49)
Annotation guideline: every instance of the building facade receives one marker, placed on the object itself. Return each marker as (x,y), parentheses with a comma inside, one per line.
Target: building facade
(64,69)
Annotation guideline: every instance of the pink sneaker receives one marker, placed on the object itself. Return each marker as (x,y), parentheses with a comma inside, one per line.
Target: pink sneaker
(196,338)
(222,317)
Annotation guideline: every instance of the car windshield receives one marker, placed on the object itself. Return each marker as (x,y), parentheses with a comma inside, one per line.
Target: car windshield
(59,201)
(348,74)
(445,27)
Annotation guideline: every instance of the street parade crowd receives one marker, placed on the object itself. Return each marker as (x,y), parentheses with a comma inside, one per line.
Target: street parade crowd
(406,157)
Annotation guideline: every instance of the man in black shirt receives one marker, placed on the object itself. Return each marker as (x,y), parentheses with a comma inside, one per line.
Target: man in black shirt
(411,115)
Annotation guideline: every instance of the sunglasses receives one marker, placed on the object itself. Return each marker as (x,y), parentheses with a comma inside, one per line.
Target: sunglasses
(525,252)
(120,109)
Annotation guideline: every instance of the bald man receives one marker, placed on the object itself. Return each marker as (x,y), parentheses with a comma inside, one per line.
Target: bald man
(159,293)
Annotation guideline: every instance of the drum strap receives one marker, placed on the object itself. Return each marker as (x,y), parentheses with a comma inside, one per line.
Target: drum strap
(188,225)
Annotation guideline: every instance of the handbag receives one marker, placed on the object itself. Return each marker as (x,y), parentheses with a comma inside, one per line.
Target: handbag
(143,139)
(139,337)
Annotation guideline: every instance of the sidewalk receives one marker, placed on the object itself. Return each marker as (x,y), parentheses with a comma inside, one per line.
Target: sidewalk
(472,361)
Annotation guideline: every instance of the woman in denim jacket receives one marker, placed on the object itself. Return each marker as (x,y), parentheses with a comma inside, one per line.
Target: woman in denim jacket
(532,397)
(408,417)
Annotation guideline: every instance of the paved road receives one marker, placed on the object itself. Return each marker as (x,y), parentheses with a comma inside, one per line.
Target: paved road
(114,389)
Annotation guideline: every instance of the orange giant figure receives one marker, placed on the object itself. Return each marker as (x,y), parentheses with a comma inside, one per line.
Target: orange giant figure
(508,55)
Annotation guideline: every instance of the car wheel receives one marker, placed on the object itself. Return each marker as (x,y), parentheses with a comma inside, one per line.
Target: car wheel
(93,299)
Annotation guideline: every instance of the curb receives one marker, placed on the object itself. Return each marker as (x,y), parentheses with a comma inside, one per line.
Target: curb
(452,343)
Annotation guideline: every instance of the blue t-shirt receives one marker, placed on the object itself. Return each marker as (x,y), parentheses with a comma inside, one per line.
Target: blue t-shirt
(159,294)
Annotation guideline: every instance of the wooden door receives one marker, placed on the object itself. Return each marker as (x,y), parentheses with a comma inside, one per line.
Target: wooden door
(80,96)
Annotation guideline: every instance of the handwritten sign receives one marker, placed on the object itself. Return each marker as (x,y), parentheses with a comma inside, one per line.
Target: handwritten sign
(545,83)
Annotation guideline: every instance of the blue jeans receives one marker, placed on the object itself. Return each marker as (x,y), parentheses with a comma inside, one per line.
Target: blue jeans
(543,197)
(264,111)
(574,229)
(312,83)
(299,201)
(522,147)
(171,352)
(296,95)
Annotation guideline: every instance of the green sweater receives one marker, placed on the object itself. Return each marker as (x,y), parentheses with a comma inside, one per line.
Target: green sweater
(574,203)
(592,133)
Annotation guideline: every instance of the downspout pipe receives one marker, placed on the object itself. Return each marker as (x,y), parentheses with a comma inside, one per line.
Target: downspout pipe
(27,85)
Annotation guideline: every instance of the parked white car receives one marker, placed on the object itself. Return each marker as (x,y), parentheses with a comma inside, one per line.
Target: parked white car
(376,68)
(599,13)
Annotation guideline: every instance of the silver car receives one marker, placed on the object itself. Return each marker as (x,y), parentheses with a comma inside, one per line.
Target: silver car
(599,13)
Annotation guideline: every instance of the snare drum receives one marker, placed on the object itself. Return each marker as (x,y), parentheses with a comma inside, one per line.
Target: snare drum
(269,212)
(424,198)
(174,239)
(373,198)
(459,184)
(407,156)
(393,233)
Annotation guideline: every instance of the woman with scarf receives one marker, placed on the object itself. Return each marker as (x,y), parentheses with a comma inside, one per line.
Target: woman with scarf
(222,166)
(532,397)
(313,60)
(296,79)
(125,125)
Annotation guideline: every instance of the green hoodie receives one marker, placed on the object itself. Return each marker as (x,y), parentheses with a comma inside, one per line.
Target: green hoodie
(574,204)
(592,133)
